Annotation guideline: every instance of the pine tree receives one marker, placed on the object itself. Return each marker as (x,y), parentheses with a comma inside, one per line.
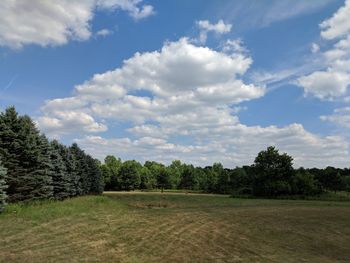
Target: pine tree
(70,164)
(95,176)
(60,179)
(38,178)
(80,169)
(22,154)
(2,188)
(10,148)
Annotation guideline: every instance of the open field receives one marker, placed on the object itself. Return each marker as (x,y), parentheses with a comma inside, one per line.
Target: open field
(151,227)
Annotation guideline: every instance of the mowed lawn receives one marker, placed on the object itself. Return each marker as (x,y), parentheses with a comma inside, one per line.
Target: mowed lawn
(155,227)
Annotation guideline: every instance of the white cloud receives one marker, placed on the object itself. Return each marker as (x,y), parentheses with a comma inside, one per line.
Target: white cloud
(315,48)
(334,79)
(338,25)
(188,114)
(220,27)
(205,26)
(340,117)
(235,144)
(52,23)
(65,122)
(104,32)
(325,84)
(131,6)
(235,45)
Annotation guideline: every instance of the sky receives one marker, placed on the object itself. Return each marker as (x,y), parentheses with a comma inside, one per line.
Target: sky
(198,81)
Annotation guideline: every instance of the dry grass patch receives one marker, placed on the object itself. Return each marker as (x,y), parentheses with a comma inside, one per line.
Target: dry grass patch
(176,228)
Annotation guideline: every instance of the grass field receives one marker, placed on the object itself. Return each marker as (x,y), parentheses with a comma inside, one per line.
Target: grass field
(151,227)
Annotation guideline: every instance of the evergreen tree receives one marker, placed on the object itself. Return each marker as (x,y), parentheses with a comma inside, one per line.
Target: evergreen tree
(95,176)
(2,188)
(60,178)
(70,165)
(80,166)
(10,148)
(23,154)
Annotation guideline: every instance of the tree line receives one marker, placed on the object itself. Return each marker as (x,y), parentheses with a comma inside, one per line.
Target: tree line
(35,168)
(271,175)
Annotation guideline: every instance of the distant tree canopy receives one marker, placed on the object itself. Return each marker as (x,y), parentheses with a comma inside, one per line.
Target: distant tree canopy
(271,175)
(34,168)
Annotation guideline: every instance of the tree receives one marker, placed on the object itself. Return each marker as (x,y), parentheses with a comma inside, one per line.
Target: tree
(305,183)
(80,166)
(188,179)
(157,173)
(11,148)
(224,180)
(273,173)
(175,170)
(3,187)
(148,181)
(70,165)
(95,176)
(23,154)
(110,171)
(130,175)
(60,179)
(163,178)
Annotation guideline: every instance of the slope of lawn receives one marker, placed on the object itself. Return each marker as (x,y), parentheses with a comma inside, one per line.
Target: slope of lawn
(171,227)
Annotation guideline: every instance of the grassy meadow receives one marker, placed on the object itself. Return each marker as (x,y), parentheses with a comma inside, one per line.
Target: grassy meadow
(175,227)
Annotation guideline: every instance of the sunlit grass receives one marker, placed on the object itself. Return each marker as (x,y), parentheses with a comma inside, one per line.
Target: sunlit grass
(172,227)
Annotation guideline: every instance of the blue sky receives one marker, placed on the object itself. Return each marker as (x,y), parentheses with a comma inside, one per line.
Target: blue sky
(199,81)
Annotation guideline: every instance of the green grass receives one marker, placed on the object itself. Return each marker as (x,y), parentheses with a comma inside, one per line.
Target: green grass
(175,227)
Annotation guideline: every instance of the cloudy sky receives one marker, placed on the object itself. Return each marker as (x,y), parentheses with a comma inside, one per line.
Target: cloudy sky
(200,81)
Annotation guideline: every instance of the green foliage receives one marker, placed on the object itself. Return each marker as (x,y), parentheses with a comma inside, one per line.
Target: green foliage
(175,170)
(188,178)
(23,152)
(38,169)
(273,173)
(305,183)
(60,178)
(110,171)
(130,175)
(95,175)
(148,181)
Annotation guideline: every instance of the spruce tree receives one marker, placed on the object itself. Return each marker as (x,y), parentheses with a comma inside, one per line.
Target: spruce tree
(38,178)
(60,180)
(70,165)
(2,188)
(95,176)
(80,169)
(10,148)
(22,153)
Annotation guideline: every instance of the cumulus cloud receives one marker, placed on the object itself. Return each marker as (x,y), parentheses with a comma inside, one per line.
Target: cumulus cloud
(234,144)
(51,23)
(334,79)
(338,25)
(188,112)
(205,26)
(325,84)
(65,122)
(340,117)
